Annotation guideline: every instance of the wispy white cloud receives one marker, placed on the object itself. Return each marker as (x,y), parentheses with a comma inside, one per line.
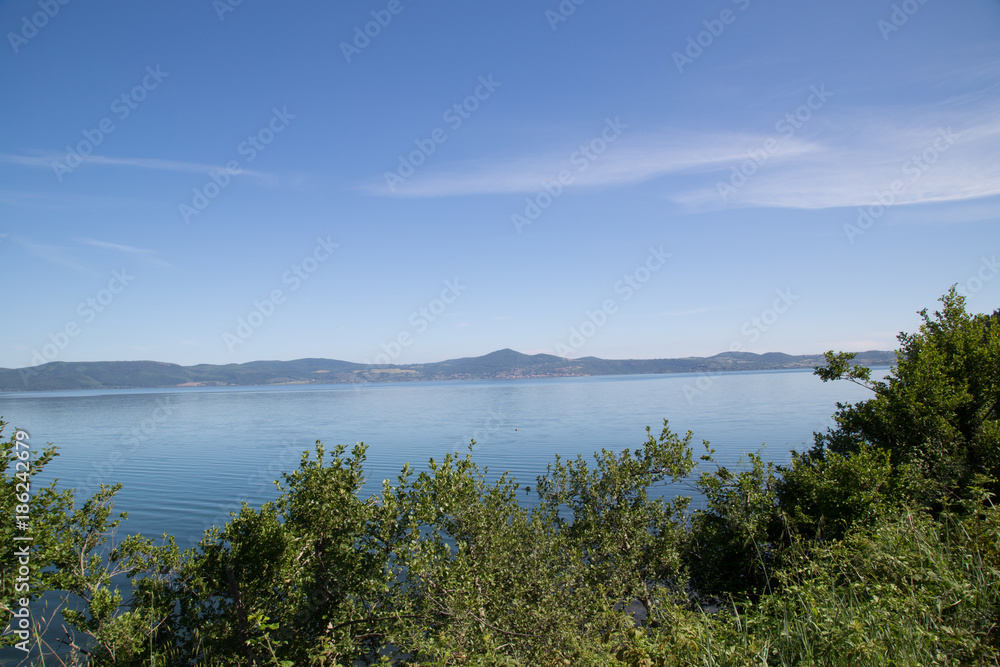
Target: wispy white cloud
(60,199)
(837,159)
(54,254)
(631,159)
(112,246)
(930,162)
(146,255)
(68,256)
(46,160)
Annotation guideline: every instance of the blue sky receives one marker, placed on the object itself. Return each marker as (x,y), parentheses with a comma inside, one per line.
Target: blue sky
(402,181)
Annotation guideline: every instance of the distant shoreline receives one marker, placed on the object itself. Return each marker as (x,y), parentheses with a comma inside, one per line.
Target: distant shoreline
(499,365)
(435,381)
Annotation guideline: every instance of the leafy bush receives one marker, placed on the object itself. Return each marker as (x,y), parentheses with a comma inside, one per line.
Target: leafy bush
(735,541)
(823,494)
(938,415)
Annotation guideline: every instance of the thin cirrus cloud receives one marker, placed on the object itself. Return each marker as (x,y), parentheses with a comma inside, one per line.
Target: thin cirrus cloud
(835,160)
(632,159)
(54,254)
(865,163)
(47,160)
(145,255)
(68,256)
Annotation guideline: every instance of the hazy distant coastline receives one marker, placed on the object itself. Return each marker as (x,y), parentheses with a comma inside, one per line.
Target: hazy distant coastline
(499,365)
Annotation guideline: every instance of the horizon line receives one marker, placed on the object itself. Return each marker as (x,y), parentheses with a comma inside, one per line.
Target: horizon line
(424,363)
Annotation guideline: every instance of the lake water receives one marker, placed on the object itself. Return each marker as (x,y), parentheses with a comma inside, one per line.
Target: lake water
(187,457)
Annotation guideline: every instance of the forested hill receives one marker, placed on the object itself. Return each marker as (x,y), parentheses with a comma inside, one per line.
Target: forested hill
(502,364)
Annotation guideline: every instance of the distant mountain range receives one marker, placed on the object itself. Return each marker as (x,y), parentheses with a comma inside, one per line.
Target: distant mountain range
(499,365)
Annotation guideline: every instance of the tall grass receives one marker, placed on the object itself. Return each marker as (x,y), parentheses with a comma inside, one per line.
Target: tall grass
(911,591)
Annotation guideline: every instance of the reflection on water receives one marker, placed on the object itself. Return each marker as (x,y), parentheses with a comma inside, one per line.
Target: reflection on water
(187,457)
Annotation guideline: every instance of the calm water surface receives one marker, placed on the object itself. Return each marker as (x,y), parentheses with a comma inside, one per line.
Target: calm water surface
(187,457)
